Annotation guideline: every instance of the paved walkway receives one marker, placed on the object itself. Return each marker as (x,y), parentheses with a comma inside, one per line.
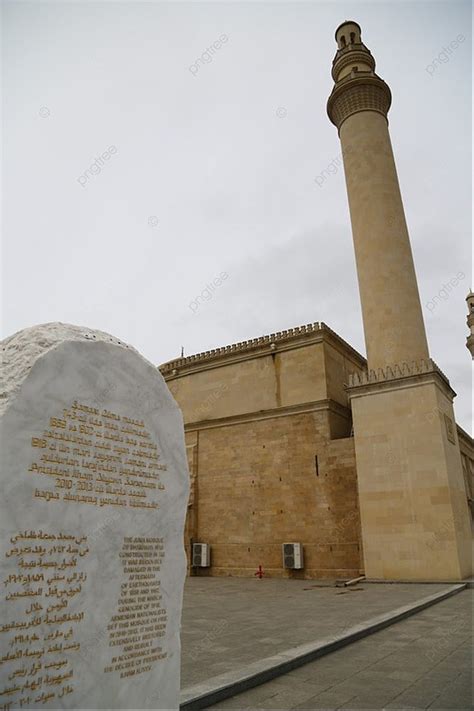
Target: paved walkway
(420,663)
(231,622)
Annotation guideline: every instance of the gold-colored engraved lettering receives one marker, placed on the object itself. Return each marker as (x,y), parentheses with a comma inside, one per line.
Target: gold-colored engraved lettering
(46,577)
(140,619)
(87,457)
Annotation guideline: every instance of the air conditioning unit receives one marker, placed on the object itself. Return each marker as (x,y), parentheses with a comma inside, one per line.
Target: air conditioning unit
(293,556)
(201,555)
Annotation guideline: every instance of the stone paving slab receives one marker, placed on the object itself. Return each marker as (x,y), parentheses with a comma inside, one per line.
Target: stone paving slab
(232,622)
(422,662)
(242,678)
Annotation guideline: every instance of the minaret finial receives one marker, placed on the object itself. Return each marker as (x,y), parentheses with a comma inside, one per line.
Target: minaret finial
(353,69)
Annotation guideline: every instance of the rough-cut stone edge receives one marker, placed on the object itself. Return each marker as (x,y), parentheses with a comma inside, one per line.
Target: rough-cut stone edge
(21,351)
(218,688)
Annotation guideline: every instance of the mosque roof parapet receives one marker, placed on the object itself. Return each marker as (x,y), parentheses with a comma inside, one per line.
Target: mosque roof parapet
(258,344)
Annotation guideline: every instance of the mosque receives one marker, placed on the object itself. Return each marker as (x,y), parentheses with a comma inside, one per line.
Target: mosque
(305,457)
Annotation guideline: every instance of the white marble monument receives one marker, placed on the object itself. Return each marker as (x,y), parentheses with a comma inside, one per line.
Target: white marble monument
(94,486)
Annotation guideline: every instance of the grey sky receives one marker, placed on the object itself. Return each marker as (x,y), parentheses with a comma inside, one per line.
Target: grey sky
(215,169)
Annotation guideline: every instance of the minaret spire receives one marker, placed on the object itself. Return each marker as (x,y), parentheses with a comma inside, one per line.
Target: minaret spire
(470,322)
(358,106)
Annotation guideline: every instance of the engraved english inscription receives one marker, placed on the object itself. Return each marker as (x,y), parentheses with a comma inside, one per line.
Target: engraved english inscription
(140,618)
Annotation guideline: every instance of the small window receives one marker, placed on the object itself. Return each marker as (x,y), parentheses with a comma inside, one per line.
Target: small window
(353,37)
(343,40)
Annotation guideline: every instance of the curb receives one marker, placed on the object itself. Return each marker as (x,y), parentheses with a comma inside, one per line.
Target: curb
(221,687)
(468,582)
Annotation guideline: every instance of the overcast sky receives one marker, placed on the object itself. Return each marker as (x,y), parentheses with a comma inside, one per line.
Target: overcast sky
(213,168)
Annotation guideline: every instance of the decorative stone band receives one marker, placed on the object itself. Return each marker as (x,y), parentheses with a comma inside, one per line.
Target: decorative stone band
(397,371)
(264,343)
(327,405)
(360,91)
(349,56)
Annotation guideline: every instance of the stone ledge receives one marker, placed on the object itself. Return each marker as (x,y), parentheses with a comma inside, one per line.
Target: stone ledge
(224,686)
(326,405)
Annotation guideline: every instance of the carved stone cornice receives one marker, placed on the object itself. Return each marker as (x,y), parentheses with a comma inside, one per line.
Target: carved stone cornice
(398,375)
(359,91)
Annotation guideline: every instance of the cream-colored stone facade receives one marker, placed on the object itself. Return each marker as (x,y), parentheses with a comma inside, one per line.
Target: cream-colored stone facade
(272,458)
(414,498)
(294,437)
(270,453)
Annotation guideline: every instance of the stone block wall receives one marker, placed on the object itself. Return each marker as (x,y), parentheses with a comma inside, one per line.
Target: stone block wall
(269,454)
(266,482)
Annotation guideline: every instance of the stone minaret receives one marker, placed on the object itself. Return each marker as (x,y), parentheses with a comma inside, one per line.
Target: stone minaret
(470,322)
(358,106)
(413,502)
